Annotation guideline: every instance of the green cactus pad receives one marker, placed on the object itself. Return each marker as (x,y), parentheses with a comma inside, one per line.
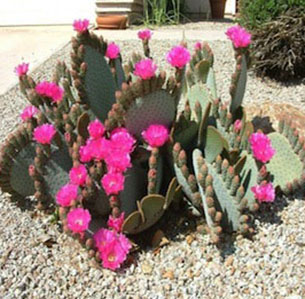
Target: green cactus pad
(20,179)
(57,170)
(135,188)
(239,85)
(229,207)
(197,154)
(119,73)
(200,93)
(249,175)
(214,144)
(171,193)
(99,83)
(150,211)
(211,83)
(184,131)
(203,125)
(183,182)
(285,165)
(202,70)
(155,108)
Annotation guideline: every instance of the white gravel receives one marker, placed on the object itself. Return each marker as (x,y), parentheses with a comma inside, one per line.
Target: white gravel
(38,261)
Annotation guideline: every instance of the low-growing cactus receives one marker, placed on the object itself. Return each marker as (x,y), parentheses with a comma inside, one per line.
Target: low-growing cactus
(106,144)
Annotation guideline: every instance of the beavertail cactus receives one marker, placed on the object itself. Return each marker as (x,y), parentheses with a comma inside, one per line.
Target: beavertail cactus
(106,144)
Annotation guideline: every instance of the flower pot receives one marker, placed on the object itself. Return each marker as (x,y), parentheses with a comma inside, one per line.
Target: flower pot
(218,8)
(111,21)
(132,9)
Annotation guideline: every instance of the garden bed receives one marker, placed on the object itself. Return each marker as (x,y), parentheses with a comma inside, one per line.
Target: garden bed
(37,260)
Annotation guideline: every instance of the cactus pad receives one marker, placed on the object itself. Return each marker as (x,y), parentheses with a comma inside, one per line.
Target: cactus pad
(285,166)
(57,170)
(99,83)
(20,180)
(239,82)
(249,175)
(155,108)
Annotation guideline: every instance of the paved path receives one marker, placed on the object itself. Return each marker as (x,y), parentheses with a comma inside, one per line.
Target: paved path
(35,44)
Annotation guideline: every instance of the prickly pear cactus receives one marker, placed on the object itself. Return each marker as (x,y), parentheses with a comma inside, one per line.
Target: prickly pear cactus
(119,152)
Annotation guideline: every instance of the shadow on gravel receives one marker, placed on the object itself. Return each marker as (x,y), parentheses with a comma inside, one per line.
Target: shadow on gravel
(23,203)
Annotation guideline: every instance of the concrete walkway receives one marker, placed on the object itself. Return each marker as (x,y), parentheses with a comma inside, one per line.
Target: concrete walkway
(34,44)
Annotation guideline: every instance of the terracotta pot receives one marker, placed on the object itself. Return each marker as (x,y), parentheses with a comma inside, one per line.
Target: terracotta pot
(111,21)
(218,8)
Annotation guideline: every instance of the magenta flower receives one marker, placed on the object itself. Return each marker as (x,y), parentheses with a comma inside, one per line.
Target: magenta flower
(96,129)
(98,148)
(145,69)
(103,237)
(261,147)
(28,112)
(264,192)
(122,140)
(113,51)
(198,46)
(85,154)
(81,26)
(116,223)
(237,126)
(50,90)
(78,220)
(156,135)
(78,175)
(22,69)
(113,247)
(125,243)
(113,255)
(66,194)
(240,37)
(118,161)
(44,133)
(178,57)
(145,34)
(113,183)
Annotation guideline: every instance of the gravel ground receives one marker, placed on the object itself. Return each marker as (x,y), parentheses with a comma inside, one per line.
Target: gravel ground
(38,261)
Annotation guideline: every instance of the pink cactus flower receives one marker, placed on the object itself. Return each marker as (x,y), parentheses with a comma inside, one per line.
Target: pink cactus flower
(78,175)
(198,46)
(22,69)
(113,183)
(78,220)
(178,57)
(113,255)
(81,26)
(240,37)
(96,129)
(103,237)
(156,135)
(118,161)
(113,51)
(122,140)
(28,112)
(264,192)
(144,34)
(125,243)
(66,194)
(261,147)
(44,133)
(50,90)
(98,148)
(116,223)
(85,154)
(145,69)
(237,126)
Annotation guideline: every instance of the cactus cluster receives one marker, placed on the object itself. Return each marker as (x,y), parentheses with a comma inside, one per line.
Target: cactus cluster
(206,152)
